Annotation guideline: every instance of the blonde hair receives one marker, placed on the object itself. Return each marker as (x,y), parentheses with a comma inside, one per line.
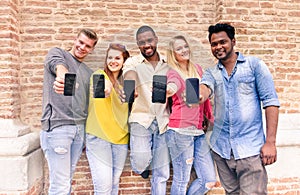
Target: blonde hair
(173,63)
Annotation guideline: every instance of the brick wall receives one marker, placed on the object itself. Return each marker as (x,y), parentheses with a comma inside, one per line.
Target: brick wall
(267,29)
(9,60)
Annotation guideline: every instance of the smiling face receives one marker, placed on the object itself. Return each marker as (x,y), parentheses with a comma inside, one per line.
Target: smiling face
(82,47)
(114,60)
(147,43)
(181,51)
(222,45)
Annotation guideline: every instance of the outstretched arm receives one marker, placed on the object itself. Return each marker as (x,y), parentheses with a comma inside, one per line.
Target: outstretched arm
(204,93)
(129,75)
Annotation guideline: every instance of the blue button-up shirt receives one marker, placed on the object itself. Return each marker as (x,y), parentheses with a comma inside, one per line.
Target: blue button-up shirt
(238,125)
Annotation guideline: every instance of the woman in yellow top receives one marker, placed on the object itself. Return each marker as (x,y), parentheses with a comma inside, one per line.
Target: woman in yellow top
(106,127)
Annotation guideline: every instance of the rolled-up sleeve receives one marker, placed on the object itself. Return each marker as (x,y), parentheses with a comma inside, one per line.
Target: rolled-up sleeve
(265,85)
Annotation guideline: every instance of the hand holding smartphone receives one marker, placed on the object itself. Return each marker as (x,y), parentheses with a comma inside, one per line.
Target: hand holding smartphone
(192,90)
(129,89)
(98,85)
(70,83)
(159,89)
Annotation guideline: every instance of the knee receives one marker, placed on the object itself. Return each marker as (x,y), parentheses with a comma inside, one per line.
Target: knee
(60,150)
(210,185)
(189,161)
(140,162)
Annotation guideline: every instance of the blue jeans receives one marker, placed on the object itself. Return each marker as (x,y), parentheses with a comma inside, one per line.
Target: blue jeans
(181,148)
(62,147)
(203,165)
(149,150)
(106,162)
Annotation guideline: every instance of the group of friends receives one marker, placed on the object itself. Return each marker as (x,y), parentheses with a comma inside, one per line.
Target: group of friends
(159,135)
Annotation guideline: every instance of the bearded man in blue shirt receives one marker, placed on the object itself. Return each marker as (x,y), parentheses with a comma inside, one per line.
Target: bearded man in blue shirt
(241,86)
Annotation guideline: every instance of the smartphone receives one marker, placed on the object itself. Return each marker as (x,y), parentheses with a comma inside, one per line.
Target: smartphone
(159,89)
(192,90)
(129,89)
(98,85)
(70,83)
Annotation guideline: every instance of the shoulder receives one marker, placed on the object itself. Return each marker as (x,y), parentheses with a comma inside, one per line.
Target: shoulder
(162,57)
(172,71)
(174,76)
(251,58)
(132,62)
(211,69)
(254,62)
(134,59)
(57,53)
(56,50)
(100,71)
(198,68)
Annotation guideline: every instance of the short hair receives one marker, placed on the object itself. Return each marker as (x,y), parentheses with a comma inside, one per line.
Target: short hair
(230,31)
(89,33)
(143,29)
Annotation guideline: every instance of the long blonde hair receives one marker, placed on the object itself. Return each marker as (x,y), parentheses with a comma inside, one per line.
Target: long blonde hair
(173,62)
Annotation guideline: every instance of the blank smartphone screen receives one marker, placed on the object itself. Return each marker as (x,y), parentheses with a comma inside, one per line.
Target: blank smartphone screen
(159,89)
(192,90)
(70,82)
(129,89)
(98,85)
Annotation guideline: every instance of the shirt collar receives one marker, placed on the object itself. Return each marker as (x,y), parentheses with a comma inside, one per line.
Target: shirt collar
(240,58)
(142,59)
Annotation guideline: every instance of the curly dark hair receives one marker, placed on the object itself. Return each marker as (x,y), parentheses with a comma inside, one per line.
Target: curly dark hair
(230,31)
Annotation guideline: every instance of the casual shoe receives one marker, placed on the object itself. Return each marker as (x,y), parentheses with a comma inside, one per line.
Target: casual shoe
(145,174)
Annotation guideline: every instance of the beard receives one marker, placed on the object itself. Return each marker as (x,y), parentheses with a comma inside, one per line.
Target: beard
(149,55)
(225,54)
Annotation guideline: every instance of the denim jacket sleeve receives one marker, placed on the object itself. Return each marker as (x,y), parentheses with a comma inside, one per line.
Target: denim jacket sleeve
(264,83)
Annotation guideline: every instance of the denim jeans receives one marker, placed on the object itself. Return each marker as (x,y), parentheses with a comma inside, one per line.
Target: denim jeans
(106,162)
(149,150)
(181,148)
(203,165)
(62,147)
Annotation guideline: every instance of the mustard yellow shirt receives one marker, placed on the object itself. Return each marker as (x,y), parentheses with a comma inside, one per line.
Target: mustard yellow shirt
(107,117)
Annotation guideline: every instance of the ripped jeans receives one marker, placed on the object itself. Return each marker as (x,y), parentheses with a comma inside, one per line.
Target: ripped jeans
(204,167)
(62,148)
(181,149)
(149,150)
